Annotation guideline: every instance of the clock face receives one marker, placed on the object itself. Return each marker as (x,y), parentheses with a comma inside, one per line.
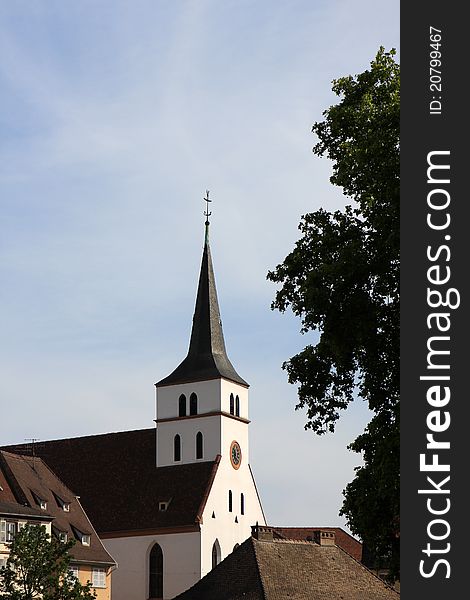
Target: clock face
(235,455)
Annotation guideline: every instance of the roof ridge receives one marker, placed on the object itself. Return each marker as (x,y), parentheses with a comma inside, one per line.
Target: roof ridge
(208,488)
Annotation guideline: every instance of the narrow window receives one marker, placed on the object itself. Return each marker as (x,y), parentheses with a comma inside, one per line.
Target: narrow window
(242,504)
(230,501)
(232,410)
(182,406)
(237,406)
(193,404)
(156,572)
(199,441)
(215,554)
(177,448)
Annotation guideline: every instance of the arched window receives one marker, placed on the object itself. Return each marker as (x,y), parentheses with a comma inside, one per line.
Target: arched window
(193,404)
(156,572)
(242,503)
(230,503)
(232,409)
(237,406)
(182,406)
(216,555)
(199,444)
(177,447)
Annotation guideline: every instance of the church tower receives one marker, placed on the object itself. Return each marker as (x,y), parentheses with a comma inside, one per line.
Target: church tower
(202,415)
(202,406)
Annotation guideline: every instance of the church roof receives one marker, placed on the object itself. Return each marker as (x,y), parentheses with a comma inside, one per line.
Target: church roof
(39,484)
(298,570)
(119,485)
(207,357)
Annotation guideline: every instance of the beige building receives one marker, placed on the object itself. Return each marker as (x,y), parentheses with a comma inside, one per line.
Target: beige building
(31,493)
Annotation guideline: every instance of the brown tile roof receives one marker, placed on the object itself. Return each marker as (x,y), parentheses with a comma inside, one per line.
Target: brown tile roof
(120,486)
(36,480)
(344,540)
(13,509)
(281,569)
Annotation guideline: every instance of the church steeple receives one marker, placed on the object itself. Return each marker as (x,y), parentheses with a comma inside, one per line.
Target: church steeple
(207,357)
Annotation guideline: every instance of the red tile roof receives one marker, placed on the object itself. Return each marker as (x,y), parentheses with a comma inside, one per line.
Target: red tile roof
(281,569)
(343,539)
(107,470)
(36,481)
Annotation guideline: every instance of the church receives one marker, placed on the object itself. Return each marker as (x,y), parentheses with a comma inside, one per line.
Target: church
(170,502)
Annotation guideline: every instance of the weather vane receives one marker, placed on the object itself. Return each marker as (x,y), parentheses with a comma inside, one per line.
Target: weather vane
(207,214)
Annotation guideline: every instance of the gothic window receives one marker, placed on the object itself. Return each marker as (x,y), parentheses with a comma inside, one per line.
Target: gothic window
(230,503)
(237,406)
(193,404)
(199,443)
(156,573)
(232,409)
(182,406)
(216,555)
(242,504)
(177,447)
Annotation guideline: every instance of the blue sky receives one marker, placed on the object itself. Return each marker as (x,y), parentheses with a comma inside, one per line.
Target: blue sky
(115,117)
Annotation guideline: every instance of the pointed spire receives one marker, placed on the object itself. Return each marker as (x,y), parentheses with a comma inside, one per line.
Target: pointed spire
(207,357)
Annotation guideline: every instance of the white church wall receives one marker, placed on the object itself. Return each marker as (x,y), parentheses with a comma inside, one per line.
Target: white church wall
(227,388)
(181,564)
(187,429)
(208,394)
(223,527)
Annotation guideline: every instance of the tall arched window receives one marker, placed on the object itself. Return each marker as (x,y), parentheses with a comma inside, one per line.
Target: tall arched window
(182,406)
(237,406)
(216,555)
(199,445)
(156,572)
(232,409)
(242,503)
(193,404)
(177,448)
(230,501)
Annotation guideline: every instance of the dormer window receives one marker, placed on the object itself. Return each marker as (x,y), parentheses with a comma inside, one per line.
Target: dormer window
(82,537)
(61,503)
(60,535)
(41,502)
(163,506)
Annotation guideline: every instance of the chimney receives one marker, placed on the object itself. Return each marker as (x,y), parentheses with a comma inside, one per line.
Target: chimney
(324,538)
(262,533)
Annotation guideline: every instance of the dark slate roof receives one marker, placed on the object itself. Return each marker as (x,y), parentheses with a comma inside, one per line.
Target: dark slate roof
(207,357)
(342,538)
(280,569)
(34,477)
(119,485)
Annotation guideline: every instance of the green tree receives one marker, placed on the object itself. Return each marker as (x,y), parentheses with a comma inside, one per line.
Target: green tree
(38,567)
(342,280)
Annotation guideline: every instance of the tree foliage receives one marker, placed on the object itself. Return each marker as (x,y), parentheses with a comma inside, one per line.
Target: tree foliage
(342,280)
(38,567)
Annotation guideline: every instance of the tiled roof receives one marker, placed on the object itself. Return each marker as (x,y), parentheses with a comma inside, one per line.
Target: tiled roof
(17,510)
(120,487)
(37,481)
(281,569)
(343,540)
